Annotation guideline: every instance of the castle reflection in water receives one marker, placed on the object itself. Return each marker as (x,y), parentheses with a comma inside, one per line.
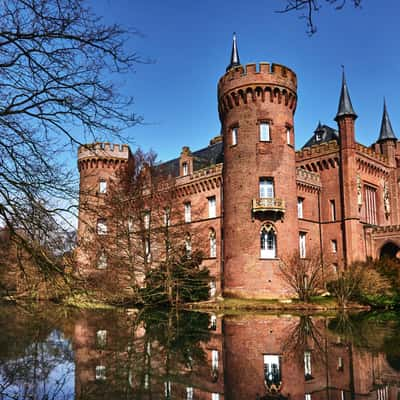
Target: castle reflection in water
(190,355)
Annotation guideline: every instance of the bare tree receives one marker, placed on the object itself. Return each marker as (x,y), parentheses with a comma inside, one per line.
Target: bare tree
(305,276)
(57,67)
(308,8)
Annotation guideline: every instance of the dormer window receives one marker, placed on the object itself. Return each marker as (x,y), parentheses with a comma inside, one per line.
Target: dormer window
(185,169)
(318,136)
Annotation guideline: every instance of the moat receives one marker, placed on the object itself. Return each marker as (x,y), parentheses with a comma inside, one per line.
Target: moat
(51,352)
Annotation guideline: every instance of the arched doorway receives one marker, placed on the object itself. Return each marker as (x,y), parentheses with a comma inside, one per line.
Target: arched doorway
(389,250)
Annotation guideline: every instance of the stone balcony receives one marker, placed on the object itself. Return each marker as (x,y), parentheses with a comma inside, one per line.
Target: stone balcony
(271,204)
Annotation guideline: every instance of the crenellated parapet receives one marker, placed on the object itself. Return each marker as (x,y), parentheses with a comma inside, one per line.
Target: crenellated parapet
(371,153)
(102,155)
(274,83)
(317,150)
(308,179)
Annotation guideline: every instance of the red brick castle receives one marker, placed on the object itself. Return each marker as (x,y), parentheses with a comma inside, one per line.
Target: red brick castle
(253,199)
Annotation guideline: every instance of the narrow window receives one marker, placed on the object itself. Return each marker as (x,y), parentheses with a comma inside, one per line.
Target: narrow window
(340,364)
(215,396)
(100,373)
(102,226)
(188,212)
(213,244)
(333,210)
(146,381)
(103,186)
(272,370)
(102,261)
(130,224)
(214,359)
(307,396)
(302,244)
(101,338)
(189,393)
(288,135)
(234,136)
(342,395)
(167,215)
(146,220)
(334,246)
(300,207)
(167,389)
(185,169)
(266,188)
(188,245)
(307,365)
(264,132)
(370,205)
(213,288)
(213,322)
(147,251)
(212,207)
(268,242)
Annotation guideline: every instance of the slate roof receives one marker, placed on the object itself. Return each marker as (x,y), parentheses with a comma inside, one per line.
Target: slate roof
(345,106)
(211,155)
(386,132)
(326,134)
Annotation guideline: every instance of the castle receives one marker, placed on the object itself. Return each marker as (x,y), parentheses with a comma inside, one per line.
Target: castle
(253,199)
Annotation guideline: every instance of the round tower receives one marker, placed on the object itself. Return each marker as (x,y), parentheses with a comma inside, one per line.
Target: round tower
(256,106)
(100,167)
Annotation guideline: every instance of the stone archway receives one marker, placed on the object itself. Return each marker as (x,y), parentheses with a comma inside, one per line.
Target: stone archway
(390,250)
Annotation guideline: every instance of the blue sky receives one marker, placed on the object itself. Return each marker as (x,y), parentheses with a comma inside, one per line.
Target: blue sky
(190,43)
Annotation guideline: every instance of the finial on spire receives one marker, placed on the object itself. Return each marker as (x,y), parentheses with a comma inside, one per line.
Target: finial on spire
(386,132)
(235,61)
(345,106)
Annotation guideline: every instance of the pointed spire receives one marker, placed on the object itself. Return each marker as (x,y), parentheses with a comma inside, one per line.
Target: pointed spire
(345,106)
(386,132)
(235,61)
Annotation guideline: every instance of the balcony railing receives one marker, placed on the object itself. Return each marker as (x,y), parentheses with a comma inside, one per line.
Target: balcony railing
(268,204)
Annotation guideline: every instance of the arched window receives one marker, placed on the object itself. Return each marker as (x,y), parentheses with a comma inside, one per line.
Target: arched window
(268,242)
(213,243)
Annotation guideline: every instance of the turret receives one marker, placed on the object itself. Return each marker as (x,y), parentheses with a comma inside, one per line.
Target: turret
(99,165)
(387,139)
(256,108)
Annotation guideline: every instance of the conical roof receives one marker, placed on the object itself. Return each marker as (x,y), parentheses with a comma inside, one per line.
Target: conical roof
(235,61)
(386,132)
(345,106)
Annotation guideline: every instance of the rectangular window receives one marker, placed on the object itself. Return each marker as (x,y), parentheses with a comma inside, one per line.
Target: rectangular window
(103,186)
(234,136)
(332,209)
(189,393)
(213,322)
(266,188)
(212,207)
(130,224)
(307,396)
(264,132)
(370,205)
(102,261)
(214,359)
(188,212)
(215,396)
(101,338)
(146,220)
(167,389)
(147,250)
(334,246)
(185,169)
(302,245)
(213,288)
(288,135)
(340,364)
(300,207)
(101,226)
(272,370)
(100,373)
(167,215)
(307,364)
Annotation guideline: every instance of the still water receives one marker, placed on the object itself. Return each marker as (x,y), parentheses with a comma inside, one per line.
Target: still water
(55,353)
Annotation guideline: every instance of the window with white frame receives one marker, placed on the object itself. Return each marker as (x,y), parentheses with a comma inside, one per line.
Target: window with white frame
(288,141)
(334,246)
(189,393)
(212,207)
(101,338)
(272,370)
(307,364)
(102,186)
(102,261)
(146,220)
(185,169)
(234,133)
(213,243)
(332,205)
(302,244)
(268,242)
(188,212)
(214,359)
(266,188)
(102,226)
(100,373)
(264,132)
(300,202)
